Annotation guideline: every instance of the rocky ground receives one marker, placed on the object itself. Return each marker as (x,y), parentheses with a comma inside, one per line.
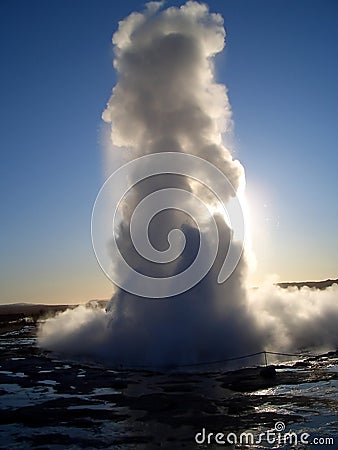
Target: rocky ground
(47,402)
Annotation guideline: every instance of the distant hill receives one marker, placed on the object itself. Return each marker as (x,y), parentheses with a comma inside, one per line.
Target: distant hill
(31,308)
(311,284)
(19,311)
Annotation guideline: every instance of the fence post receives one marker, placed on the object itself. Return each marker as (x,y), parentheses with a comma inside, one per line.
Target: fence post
(266,360)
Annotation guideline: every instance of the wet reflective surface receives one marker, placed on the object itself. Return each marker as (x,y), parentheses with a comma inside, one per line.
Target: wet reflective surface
(49,402)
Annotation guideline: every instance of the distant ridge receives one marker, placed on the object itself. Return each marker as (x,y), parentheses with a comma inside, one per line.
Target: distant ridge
(310,284)
(16,311)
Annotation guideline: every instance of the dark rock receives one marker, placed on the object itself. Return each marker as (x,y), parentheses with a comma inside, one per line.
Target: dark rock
(268,372)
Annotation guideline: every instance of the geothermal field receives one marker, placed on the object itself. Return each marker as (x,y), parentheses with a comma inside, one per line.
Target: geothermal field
(50,401)
(187,352)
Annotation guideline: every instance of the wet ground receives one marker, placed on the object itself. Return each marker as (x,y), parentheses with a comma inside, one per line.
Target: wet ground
(50,403)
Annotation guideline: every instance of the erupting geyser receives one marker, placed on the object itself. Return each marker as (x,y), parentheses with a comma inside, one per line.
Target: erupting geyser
(167,100)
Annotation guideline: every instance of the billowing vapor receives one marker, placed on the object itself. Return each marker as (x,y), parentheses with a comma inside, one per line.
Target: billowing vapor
(289,320)
(296,319)
(167,100)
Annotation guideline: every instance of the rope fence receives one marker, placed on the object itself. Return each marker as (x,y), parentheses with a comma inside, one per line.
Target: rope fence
(263,352)
(225,360)
(235,358)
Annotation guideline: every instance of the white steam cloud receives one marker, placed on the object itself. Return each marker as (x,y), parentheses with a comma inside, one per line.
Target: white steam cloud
(167,100)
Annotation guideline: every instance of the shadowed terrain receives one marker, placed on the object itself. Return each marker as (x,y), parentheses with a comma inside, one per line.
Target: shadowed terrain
(49,402)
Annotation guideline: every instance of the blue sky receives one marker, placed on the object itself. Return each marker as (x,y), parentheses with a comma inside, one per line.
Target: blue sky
(281,69)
